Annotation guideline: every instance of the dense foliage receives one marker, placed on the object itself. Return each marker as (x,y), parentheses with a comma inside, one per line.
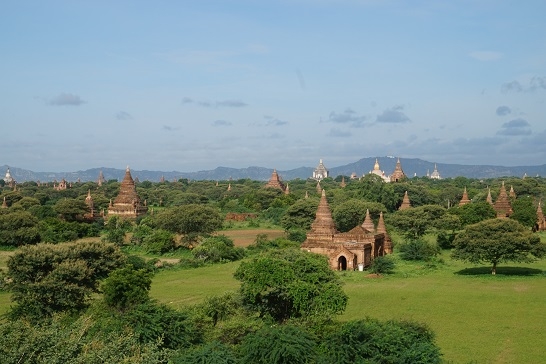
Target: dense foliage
(495,241)
(284,284)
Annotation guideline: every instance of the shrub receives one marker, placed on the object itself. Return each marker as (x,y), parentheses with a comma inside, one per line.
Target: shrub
(417,249)
(382,265)
(445,240)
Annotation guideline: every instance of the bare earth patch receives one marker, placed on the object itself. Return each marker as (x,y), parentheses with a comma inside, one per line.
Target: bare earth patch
(243,238)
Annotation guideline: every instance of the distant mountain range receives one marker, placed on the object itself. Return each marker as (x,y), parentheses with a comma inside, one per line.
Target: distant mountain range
(411,166)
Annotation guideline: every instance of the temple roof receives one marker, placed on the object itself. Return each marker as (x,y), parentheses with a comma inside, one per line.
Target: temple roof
(127,191)
(323,224)
(502,206)
(368,223)
(275,181)
(398,173)
(406,204)
(464,199)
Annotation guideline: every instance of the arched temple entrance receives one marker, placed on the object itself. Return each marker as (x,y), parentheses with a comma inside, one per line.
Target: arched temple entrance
(342,263)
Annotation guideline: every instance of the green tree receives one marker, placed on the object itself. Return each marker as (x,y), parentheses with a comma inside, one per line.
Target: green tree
(283,344)
(290,284)
(71,209)
(47,278)
(300,215)
(351,213)
(18,228)
(524,211)
(126,287)
(495,241)
(189,219)
(473,213)
(216,249)
(372,341)
(414,222)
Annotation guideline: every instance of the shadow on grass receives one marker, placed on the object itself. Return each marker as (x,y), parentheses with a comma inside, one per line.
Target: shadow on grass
(501,271)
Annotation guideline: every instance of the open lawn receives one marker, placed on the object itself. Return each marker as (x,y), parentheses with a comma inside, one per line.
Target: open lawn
(476,317)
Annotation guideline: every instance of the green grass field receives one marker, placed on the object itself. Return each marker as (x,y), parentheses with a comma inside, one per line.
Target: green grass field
(476,317)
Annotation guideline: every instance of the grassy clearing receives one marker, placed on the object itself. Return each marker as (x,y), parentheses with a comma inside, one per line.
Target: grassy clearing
(476,317)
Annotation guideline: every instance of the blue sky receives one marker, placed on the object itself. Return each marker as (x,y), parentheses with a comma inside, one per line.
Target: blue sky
(192,85)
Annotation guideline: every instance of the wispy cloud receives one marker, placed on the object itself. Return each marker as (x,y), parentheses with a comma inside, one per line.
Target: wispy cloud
(170,128)
(66,99)
(503,110)
(485,56)
(269,121)
(221,123)
(122,115)
(213,104)
(394,115)
(338,133)
(533,84)
(515,127)
(349,117)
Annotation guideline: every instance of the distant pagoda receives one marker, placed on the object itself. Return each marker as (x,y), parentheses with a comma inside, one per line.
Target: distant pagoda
(275,182)
(502,206)
(127,204)
(406,204)
(398,174)
(464,199)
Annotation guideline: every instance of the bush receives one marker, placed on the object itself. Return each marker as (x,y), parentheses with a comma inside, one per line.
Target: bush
(213,352)
(445,240)
(126,287)
(283,344)
(158,242)
(417,249)
(216,249)
(382,265)
(372,341)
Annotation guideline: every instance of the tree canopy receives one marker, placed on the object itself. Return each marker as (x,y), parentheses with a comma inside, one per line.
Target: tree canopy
(290,283)
(495,241)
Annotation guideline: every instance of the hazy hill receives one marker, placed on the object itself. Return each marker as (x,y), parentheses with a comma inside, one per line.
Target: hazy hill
(411,166)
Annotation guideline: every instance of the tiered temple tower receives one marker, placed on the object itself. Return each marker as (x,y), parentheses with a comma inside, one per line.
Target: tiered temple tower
(127,203)
(464,199)
(275,182)
(502,206)
(398,174)
(406,204)
(368,223)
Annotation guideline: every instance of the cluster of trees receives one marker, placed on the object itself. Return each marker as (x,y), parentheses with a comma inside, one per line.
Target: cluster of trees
(186,212)
(284,312)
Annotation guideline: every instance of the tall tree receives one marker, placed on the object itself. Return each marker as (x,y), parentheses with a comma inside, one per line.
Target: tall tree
(495,241)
